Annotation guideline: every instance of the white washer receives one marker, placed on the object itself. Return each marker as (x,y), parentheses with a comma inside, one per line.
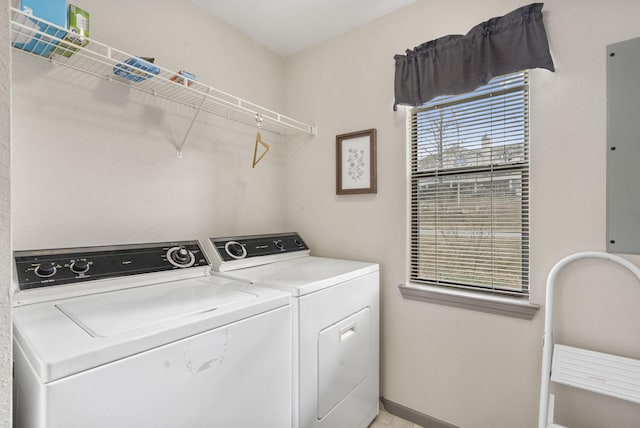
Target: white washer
(335,324)
(138,336)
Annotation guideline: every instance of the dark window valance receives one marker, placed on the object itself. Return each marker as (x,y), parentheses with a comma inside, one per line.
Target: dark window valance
(456,64)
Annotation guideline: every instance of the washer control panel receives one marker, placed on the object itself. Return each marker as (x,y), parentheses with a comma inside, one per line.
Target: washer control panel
(246,247)
(44,268)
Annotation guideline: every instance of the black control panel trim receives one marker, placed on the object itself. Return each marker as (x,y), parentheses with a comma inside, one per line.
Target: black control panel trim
(100,262)
(257,245)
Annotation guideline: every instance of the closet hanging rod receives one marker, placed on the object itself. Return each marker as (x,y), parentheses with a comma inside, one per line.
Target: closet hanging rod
(98,59)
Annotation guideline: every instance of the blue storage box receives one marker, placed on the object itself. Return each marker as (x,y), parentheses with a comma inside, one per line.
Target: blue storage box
(53,11)
(179,78)
(135,70)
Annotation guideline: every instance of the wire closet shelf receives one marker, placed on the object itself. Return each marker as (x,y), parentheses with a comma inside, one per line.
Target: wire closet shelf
(33,35)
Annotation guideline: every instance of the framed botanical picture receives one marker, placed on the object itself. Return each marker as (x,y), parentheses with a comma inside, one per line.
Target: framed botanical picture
(356,162)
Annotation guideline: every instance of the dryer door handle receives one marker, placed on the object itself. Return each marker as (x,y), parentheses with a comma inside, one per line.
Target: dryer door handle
(347,332)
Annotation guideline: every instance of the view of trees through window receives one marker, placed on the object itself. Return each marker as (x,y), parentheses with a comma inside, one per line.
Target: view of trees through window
(469,196)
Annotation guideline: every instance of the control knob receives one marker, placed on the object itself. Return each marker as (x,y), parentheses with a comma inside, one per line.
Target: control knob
(45,270)
(180,257)
(79,266)
(235,249)
(279,245)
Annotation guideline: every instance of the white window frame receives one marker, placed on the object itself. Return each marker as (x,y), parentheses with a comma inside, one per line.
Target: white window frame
(486,300)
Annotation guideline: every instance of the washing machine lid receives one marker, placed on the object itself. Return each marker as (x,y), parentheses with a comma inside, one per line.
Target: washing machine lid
(65,337)
(108,314)
(304,275)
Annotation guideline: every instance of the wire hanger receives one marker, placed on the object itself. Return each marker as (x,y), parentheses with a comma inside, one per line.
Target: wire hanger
(259,141)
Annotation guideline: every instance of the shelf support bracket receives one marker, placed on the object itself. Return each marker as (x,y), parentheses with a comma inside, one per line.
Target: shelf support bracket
(193,120)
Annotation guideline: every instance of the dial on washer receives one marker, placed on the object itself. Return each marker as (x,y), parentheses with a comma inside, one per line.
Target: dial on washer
(45,270)
(79,266)
(180,257)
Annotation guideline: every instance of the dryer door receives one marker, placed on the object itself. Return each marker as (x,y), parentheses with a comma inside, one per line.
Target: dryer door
(343,359)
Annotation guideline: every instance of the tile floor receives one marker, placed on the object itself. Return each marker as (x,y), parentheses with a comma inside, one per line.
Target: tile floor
(387,420)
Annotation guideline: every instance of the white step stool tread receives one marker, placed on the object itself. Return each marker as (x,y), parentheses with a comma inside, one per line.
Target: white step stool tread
(597,372)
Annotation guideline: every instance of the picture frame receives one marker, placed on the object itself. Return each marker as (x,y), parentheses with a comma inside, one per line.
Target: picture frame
(356,162)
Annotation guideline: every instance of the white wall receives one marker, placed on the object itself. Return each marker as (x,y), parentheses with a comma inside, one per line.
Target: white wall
(6,364)
(95,162)
(473,369)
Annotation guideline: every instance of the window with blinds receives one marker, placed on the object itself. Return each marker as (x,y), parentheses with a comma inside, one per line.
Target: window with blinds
(470,189)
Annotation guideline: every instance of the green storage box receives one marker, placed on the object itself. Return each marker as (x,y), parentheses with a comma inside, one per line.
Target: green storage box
(78,26)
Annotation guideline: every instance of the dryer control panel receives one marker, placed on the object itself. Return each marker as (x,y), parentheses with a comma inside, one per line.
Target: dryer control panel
(245,251)
(44,268)
(241,247)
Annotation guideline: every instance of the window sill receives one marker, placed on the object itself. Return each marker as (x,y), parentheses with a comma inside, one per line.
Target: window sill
(516,307)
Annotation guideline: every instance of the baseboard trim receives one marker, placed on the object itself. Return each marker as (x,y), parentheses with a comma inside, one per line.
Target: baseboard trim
(413,415)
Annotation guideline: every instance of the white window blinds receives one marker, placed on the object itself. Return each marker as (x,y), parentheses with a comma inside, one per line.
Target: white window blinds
(470,188)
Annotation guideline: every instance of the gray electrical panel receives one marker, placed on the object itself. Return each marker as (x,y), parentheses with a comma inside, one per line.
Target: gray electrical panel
(623,147)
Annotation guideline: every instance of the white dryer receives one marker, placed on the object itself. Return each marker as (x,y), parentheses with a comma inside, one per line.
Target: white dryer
(138,336)
(335,324)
